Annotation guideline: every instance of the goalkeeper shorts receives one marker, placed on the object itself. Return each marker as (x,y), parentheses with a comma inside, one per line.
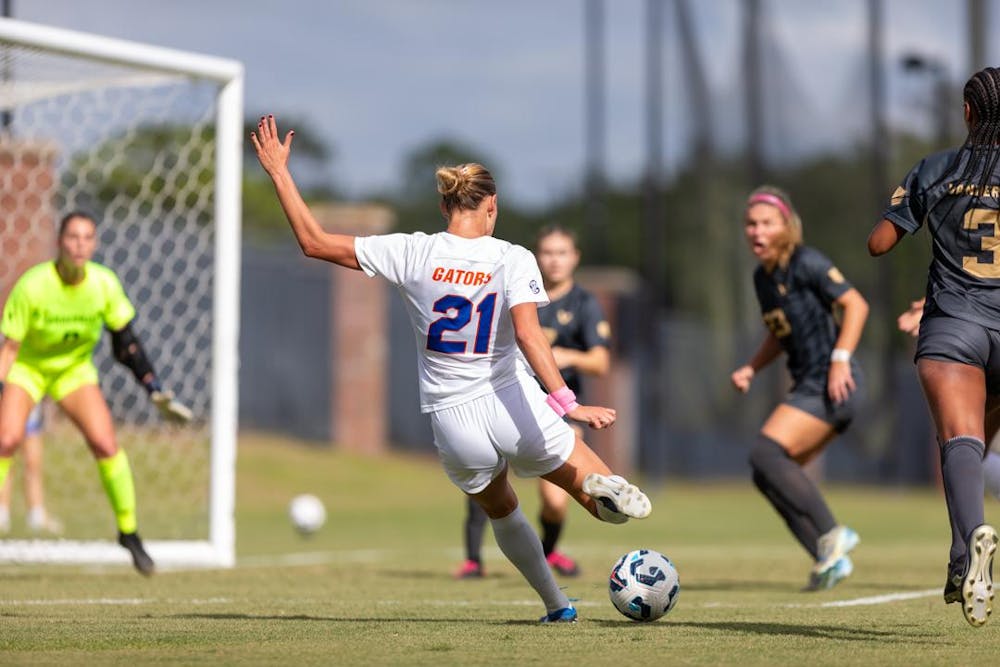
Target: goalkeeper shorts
(58,384)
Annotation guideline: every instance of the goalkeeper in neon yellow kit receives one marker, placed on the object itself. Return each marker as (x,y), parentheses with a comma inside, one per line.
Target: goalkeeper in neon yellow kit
(52,321)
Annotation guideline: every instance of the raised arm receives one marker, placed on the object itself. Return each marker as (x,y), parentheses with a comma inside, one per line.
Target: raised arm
(535,346)
(273,154)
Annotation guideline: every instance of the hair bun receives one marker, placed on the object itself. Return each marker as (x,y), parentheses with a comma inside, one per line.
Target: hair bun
(449,180)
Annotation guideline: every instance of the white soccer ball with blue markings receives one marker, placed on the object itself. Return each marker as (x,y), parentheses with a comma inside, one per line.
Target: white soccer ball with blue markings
(644,585)
(307,513)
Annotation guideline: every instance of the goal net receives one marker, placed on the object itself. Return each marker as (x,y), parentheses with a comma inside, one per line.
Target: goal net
(148,140)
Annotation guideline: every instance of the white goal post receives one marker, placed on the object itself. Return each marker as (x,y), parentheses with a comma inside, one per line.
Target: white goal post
(149,140)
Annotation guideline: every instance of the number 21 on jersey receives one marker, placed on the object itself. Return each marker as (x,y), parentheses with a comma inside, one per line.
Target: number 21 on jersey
(457,312)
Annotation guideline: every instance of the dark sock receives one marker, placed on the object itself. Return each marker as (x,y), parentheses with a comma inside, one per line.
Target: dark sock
(962,473)
(475,526)
(786,478)
(802,528)
(550,534)
(956,557)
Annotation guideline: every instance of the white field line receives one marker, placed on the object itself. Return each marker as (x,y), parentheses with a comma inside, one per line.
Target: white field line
(873,600)
(120,602)
(883,599)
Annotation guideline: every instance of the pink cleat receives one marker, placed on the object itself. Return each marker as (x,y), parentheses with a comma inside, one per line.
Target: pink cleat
(563,564)
(470,569)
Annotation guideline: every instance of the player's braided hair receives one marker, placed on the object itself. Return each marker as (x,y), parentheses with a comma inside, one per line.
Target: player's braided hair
(982,94)
(464,186)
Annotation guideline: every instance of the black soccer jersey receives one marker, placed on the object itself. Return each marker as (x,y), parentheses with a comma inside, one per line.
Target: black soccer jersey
(964,276)
(797,306)
(576,322)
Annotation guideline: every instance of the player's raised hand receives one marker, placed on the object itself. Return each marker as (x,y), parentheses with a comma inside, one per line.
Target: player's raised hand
(742,377)
(271,151)
(593,415)
(170,408)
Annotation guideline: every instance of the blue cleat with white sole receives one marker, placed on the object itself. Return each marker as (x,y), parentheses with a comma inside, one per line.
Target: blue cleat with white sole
(841,570)
(564,615)
(833,546)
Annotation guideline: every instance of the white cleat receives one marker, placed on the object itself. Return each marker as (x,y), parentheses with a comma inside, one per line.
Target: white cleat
(977,585)
(617,500)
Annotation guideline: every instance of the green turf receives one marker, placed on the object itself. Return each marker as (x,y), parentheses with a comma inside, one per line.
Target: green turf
(374,586)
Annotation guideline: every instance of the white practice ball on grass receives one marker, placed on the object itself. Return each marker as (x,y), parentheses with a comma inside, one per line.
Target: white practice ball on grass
(307,513)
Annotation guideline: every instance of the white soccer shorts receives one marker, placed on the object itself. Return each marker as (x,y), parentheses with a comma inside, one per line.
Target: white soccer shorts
(513,426)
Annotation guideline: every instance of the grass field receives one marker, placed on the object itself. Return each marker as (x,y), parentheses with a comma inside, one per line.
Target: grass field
(374,586)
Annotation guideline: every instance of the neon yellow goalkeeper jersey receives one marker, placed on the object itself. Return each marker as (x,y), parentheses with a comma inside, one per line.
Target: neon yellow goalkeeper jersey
(58,325)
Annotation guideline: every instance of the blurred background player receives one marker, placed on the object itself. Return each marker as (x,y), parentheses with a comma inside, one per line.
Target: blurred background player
(798,289)
(579,335)
(53,319)
(958,345)
(472,301)
(37,519)
(909,323)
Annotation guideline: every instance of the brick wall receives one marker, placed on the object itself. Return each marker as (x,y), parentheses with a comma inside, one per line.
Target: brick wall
(359,322)
(27,220)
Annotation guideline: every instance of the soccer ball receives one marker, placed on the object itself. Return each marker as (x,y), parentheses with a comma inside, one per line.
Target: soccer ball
(307,513)
(644,585)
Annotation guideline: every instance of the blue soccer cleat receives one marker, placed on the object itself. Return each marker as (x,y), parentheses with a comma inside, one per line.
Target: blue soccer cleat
(564,615)
(841,570)
(833,546)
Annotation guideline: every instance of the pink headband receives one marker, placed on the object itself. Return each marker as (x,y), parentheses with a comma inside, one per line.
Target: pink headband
(775,201)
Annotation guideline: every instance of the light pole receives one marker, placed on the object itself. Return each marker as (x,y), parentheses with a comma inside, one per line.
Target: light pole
(934,68)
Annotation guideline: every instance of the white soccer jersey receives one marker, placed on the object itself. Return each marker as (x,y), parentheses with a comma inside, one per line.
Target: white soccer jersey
(458,293)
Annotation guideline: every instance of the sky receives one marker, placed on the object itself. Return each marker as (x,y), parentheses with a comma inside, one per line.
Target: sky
(376,79)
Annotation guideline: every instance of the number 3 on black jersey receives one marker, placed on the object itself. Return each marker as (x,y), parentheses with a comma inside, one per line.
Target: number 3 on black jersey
(777,323)
(983,223)
(457,322)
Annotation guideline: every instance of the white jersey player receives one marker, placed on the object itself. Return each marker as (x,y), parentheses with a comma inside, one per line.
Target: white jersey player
(472,301)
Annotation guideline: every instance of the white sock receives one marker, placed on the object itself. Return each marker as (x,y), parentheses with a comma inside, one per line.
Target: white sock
(4,519)
(519,542)
(36,518)
(991,473)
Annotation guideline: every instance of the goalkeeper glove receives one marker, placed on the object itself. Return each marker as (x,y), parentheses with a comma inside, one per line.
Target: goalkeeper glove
(170,408)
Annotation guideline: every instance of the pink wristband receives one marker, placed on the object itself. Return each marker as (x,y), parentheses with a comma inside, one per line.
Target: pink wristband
(562,400)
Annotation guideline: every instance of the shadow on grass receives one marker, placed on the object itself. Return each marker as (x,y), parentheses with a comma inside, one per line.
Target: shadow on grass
(789,630)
